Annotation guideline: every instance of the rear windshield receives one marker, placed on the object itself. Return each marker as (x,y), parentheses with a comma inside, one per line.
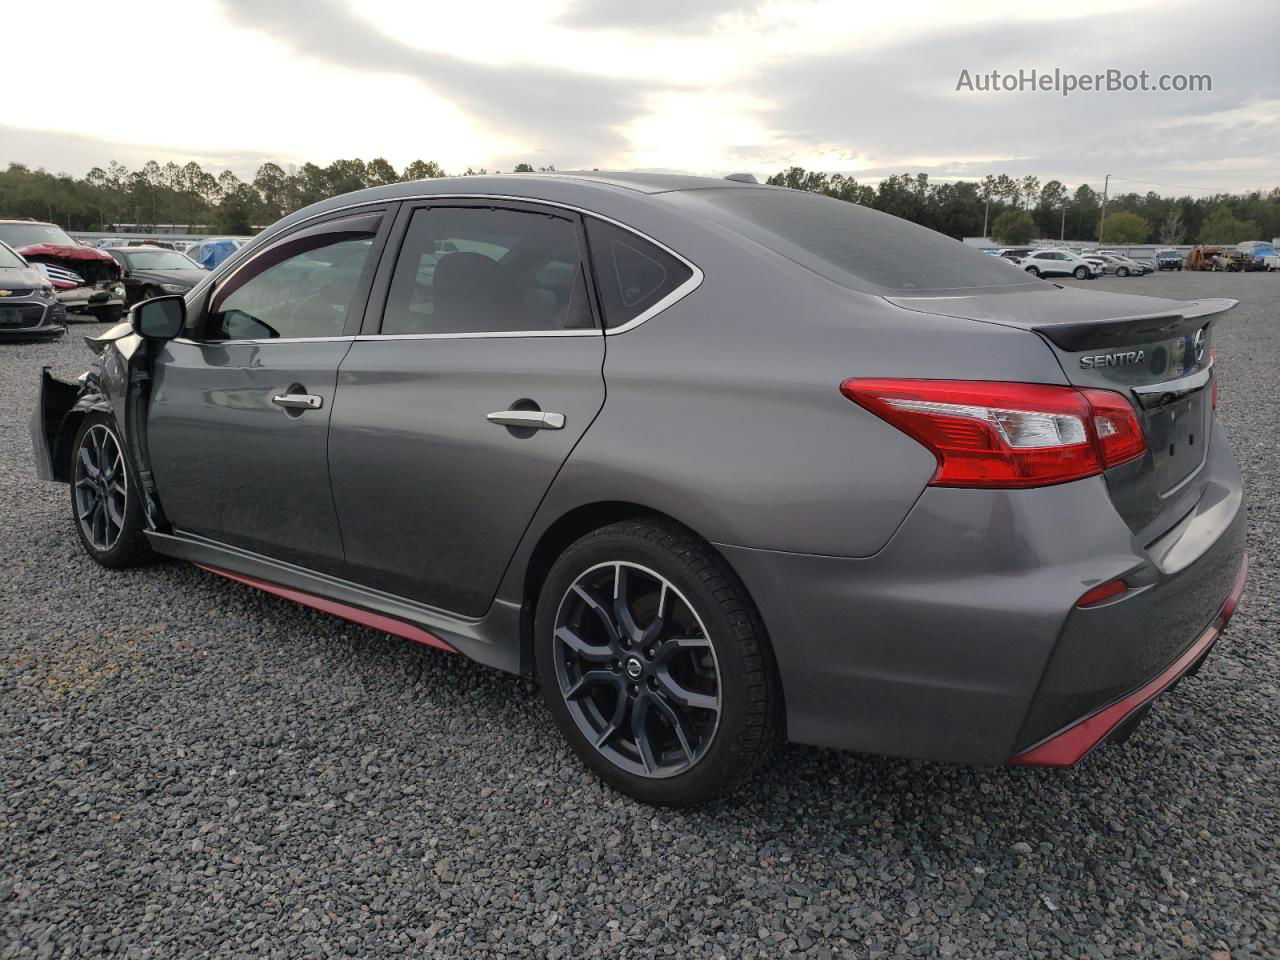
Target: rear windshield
(854,245)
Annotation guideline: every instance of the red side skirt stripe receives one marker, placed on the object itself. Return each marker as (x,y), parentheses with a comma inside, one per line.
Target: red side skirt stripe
(376,620)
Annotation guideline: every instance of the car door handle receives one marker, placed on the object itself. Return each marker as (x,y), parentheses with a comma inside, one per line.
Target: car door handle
(530,419)
(298,401)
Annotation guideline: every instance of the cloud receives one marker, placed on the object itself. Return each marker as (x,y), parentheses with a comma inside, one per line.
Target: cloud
(655,16)
(896,107)
(76,154)
(573,116)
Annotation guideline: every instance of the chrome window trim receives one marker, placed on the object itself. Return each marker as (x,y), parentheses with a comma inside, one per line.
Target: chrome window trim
(259,340)
(679,293)
(486,335)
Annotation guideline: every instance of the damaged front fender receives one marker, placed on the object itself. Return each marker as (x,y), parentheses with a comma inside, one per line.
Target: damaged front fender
(60,407)
(118,385)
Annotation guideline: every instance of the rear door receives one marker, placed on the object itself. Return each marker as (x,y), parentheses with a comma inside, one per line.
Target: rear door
(480,368)
(239,418)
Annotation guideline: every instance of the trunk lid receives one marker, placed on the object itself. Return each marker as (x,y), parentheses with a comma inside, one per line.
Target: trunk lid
(1155,351)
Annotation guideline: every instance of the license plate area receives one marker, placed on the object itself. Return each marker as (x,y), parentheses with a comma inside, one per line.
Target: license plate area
(1178,434)
(9,316)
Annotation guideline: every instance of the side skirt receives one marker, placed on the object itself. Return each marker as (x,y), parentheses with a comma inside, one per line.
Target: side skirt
(493,640)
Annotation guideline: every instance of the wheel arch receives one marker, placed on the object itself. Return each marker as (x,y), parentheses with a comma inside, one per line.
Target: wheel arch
(569,527)
(62,442)
(556,538)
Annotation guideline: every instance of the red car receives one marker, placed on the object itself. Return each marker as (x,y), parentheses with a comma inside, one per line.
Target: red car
(86,279)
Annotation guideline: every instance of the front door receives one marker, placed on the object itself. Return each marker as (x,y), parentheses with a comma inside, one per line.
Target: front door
(239,418)
(453,419)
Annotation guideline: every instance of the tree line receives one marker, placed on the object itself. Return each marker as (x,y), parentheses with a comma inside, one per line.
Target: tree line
(1011,210)
(192,196)
(1017,210)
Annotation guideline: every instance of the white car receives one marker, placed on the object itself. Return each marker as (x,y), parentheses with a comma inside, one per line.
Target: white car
(1058,263)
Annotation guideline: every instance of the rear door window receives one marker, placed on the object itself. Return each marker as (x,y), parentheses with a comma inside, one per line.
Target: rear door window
(484,270)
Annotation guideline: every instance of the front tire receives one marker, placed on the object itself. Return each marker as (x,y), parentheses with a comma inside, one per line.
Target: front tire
(1081,273)
(104,501)
(1122,272)
(111,314)
(655,665)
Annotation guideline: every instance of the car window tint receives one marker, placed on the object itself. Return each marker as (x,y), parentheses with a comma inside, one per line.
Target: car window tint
(487,270)
(851,244)
(632,274)
(307,294)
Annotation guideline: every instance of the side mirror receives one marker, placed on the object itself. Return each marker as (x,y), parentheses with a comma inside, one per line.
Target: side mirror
(161,318)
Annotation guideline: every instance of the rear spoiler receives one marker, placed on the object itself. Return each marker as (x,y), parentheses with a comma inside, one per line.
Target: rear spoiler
(1098,334)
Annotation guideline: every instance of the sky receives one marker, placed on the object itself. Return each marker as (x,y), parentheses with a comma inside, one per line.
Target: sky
(698,86)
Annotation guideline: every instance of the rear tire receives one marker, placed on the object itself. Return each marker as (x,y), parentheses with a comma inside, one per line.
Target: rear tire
(1034,271)
(1122,272)
(685,653)
(105,507)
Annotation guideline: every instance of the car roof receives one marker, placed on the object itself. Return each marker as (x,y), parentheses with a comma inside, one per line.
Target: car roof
(38,223)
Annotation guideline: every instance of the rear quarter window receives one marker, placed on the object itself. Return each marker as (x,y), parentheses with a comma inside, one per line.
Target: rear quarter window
(633,276)
(853,245)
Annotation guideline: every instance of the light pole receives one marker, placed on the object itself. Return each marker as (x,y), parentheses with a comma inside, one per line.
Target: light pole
(1062,236)
(1102,224)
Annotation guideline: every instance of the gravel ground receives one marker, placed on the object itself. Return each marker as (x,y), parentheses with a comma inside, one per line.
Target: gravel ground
(190,767)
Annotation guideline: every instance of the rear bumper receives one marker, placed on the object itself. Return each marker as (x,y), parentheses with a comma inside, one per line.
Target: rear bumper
(961,640)
(1071,745)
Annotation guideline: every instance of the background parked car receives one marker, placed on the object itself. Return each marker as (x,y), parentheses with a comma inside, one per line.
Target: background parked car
(1201,257)
(1058,263)
(151,271)
(1015,254)
(98,290)
(211,252)
(1124,264)
(1113,266)
(1231,260)
(1258,252)
(29,307)
(1168,260)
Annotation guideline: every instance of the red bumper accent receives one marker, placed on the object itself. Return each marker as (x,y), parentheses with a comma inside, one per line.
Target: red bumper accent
(1076,742)
(376,620)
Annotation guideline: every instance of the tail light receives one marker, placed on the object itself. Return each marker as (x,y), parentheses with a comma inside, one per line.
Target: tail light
(996,434)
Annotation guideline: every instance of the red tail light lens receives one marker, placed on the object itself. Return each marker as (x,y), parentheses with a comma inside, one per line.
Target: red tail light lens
(1116,427)
(1006,435)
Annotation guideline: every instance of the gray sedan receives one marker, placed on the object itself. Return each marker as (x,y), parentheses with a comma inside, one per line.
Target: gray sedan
(720,464)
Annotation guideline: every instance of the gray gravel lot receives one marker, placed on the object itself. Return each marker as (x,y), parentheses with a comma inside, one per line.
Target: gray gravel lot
(189,767)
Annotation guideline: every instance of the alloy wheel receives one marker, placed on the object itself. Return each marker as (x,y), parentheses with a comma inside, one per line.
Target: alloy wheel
(101,488)
(637,670)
